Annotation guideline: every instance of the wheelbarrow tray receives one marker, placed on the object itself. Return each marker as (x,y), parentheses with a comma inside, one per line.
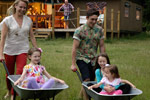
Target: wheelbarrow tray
(96,96)
(25,93)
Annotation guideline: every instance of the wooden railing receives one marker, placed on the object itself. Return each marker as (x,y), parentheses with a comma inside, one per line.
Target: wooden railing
(46,19)
(49,22)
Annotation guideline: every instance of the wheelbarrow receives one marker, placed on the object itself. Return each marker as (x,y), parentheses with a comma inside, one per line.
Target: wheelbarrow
(25,93)
(96,96)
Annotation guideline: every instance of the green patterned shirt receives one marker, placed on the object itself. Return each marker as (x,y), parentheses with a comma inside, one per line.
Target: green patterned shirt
(89,40)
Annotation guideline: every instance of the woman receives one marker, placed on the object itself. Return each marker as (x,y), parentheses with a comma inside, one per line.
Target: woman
(14,45)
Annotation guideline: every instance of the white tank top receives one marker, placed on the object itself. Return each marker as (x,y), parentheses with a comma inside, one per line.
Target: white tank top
(17,41)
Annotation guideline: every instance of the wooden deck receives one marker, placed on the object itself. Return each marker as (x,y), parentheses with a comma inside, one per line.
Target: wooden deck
(45,33)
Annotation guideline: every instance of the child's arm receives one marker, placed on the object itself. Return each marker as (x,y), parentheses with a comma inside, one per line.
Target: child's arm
(127,82)
(98,75)
(49,76)
(21,77)
(95,85)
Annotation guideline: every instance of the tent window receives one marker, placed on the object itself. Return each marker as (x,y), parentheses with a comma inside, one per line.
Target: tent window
(127,9)
(138,13)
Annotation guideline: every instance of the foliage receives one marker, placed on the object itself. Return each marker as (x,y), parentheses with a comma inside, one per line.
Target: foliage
(146,14)
(147,25)
(146,11)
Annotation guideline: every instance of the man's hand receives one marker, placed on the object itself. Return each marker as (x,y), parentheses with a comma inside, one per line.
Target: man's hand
(73,68)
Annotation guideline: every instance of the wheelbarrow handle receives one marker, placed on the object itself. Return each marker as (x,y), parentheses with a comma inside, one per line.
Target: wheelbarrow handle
(4,64)
(78,74)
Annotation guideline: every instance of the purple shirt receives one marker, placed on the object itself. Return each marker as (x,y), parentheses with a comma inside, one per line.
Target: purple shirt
(67,9)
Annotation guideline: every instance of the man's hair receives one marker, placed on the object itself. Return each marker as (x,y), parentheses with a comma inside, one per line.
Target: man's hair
(92,12)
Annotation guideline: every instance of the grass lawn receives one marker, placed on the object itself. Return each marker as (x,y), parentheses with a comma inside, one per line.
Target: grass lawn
(131,55)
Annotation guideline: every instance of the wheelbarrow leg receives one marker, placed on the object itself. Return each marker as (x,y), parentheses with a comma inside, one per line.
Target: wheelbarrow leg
(53,97)
(14,97)
(34,95)
(89,98)
(129,98)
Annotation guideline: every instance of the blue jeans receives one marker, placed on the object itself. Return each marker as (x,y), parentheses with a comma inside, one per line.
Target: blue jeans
(66,18)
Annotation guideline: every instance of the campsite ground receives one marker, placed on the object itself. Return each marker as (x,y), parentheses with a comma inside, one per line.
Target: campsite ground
(131,55)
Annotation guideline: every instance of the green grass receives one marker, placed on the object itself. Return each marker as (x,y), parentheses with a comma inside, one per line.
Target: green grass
(131,55)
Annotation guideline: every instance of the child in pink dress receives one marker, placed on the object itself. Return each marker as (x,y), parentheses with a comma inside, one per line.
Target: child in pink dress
(111,78)
(32,76)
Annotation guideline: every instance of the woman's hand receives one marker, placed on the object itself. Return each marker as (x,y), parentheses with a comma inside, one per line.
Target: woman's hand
(1,58)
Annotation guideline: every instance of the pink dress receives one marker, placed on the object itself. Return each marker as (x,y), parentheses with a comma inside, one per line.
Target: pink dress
(35,71)
(115,82)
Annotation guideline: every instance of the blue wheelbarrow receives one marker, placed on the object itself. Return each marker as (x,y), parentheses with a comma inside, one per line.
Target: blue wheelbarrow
(96,96)
(42,94)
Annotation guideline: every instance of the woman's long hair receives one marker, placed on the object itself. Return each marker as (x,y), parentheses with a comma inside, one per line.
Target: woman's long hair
(12,10)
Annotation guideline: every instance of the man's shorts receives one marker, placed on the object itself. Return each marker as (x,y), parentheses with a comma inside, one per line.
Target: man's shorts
(66,18)
(86,70)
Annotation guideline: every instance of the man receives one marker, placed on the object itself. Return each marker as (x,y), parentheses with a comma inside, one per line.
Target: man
(87,38)
(67,8)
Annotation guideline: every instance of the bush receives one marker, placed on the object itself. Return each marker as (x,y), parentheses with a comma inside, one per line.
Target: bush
(147,26)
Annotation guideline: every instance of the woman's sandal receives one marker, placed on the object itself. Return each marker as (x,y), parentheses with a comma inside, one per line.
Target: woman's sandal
(7,95)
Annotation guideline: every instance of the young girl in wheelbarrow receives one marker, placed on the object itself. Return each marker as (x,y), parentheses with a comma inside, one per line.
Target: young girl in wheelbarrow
(111,79)
(101,62)
(32,76)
